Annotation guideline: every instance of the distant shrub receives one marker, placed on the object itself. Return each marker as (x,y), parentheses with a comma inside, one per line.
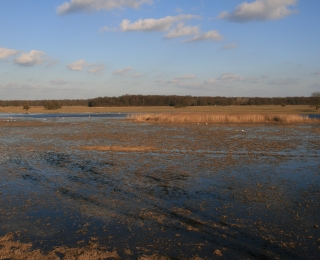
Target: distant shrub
(26,107)
(52,105)
(315,100)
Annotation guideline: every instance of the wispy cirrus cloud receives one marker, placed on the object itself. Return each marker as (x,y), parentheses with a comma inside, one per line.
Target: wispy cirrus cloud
(59,82)
(287,81)
(87,6)
(122,72)
(229,46)
(260,10)
(137,75)
(210,35)
(183,78)
(18,86)
(96,69)
(107,29)
(231,77)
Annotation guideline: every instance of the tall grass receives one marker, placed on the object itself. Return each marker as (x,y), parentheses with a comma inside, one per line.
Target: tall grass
(220,118)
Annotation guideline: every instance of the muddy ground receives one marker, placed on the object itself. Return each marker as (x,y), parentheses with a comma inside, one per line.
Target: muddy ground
(112,189)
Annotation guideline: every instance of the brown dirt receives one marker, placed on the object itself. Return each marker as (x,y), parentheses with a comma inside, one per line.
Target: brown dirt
(10,249)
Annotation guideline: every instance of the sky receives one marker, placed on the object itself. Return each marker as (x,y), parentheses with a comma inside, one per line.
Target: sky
(81,49)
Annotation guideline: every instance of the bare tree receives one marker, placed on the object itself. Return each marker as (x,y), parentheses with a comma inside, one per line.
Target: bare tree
(315,100)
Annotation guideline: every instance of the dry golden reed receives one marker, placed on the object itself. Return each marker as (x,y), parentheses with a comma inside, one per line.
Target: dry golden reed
(220,118)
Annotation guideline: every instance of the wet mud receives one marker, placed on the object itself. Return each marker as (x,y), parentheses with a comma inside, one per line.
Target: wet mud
(103,188)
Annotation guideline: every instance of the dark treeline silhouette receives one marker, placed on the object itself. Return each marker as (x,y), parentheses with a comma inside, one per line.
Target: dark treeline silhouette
(158,100)
(183,101)
(64,102)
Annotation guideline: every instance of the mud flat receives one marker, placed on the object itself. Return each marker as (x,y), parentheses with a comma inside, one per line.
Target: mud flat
(104,188)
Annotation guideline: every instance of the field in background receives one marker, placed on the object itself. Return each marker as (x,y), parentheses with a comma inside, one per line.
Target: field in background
(298,109)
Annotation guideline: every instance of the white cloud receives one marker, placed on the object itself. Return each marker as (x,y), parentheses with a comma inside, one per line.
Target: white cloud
(17,86)
(76,6)
(210,35)
(317,73)
(180,30)
(122,72)
(184,84)
(162,24)
(52,63)
(182,78)
(6,53)
(229,46)
(107,29)
(96,69)
(260,10)
(231,77)
(77,65)
(30,59)
(287,81)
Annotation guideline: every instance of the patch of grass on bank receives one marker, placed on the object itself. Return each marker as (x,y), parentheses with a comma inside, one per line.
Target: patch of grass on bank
(220,118)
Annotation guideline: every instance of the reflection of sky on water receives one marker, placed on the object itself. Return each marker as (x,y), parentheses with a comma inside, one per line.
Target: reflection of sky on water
(62,115)
(57,193)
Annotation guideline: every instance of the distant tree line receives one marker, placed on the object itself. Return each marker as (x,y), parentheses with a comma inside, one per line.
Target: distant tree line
(63,102)
(160,100)
(183,101)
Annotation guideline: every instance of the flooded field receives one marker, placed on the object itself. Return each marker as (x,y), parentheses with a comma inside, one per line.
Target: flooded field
(108,188)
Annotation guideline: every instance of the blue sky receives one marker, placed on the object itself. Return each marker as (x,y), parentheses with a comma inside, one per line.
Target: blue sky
(79,49)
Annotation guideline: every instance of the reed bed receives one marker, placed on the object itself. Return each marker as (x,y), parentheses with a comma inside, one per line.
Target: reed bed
(220,118)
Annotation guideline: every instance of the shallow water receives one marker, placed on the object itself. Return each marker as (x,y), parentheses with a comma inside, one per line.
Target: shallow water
(61,115)
(202,188)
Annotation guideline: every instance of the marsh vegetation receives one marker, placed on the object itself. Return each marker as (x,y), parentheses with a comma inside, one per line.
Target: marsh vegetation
(220,118)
